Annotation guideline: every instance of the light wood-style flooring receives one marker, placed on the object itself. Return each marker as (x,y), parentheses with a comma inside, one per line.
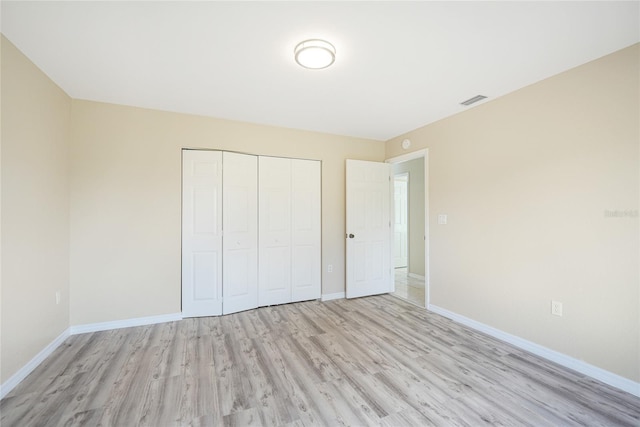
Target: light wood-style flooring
(371,361)
(409,288)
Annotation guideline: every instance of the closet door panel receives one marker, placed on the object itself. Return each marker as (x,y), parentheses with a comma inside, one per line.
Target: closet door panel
(201,233)
(240,225)
(275,283)
(275,231)
(306,230)
(304,274)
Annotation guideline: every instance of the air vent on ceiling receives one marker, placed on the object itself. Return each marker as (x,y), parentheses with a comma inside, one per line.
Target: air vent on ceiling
(473,100)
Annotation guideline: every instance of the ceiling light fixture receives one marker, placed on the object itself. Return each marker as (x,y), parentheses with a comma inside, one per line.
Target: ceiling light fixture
(315,54)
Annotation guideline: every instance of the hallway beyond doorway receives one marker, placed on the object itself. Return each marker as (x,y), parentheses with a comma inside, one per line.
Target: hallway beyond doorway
(409,288)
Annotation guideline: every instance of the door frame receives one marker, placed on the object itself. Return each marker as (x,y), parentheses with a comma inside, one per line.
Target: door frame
(424,154)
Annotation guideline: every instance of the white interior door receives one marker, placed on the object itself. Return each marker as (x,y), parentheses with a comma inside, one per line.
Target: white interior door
(240,225)
(368,228)
(400,228)
(275,231)
(306,228)
(201,233)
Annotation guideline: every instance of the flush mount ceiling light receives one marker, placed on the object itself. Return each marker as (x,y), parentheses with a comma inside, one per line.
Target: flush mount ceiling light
(315,54)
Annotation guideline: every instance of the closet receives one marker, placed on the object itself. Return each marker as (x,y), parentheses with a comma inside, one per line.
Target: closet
(289,230)
(250,231)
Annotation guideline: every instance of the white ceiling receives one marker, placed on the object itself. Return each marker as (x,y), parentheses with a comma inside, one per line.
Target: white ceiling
(399,65)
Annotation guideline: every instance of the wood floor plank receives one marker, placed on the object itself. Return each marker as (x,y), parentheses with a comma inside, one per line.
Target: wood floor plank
(369,361)
(273,403)
(230,372)
(92,395)
(430,401)
(405,417)
(314,407)
(318,365)
(344,405)
(297,386)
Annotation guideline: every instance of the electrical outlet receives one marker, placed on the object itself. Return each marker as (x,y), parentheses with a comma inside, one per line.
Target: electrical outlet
(556,308)
(330,268)
(57,297)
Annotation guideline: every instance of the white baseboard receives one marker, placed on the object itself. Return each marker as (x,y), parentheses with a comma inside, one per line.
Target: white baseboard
(329,297)
(562,359)
(415,276)
(127,323)
(22,373)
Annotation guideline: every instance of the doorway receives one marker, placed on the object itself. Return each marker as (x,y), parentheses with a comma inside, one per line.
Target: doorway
(410,228)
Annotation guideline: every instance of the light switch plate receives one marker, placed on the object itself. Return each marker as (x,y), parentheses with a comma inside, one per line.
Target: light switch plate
(442,219)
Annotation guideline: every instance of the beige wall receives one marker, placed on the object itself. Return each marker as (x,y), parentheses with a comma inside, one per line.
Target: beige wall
(526,180)
(415,169)
(125,201)
(35,210)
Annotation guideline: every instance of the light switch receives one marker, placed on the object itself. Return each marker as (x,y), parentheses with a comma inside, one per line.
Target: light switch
(442,219)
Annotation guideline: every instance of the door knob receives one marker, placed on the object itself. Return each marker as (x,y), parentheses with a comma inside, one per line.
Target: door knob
(351,236)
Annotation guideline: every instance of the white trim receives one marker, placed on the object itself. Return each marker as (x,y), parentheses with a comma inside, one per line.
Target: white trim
(127,323)
(22,373)
(415,276)
(402,176)
(562,359)
(408,156)
(329,297)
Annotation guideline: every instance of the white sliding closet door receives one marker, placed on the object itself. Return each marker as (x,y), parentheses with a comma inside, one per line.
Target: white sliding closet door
(306,230)
(201,233)
(289,212)
(240,224)
(275,231)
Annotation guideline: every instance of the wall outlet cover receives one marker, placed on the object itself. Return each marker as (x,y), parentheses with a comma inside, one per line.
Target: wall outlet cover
(556,308)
